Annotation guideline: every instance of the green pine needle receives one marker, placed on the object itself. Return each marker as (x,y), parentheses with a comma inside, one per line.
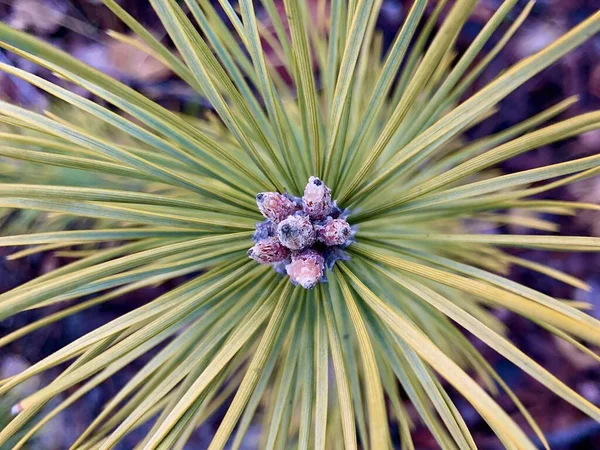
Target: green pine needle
(144,195)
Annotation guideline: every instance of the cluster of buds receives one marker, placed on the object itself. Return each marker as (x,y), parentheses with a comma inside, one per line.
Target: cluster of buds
(301,237)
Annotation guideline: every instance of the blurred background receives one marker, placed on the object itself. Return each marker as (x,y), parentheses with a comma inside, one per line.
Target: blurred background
(79,27)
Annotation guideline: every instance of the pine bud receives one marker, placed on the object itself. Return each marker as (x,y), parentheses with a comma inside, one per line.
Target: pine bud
(317,199)
(269,251)
(275,206)
(334,232)
(296,232)
(306,268)
(264,230)
(301,237)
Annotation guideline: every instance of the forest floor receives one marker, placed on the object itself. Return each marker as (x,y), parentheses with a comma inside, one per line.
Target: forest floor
(79,27)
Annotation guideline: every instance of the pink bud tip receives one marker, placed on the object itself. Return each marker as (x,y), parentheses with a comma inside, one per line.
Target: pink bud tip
(335,232)
(16,409)
(275,206)
(306,268)
(317,199)
(296,232)
(268,251)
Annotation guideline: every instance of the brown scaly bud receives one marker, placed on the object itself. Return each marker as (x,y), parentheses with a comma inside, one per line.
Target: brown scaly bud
(269,251)
(306,268)
(275,206)
(334,232)
(317,199)
(296,232)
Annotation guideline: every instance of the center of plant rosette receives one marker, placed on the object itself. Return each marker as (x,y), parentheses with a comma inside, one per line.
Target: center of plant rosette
(301,237)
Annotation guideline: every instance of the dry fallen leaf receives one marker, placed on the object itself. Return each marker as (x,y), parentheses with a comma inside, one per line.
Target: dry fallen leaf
(134,63)
(35,15)
(579,359)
